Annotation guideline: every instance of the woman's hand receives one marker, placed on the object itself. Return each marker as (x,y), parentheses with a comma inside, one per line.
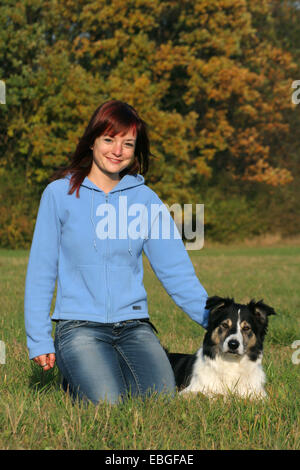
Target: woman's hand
(46,361)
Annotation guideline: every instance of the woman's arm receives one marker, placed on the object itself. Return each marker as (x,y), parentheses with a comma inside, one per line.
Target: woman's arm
(41,277)
(173,267)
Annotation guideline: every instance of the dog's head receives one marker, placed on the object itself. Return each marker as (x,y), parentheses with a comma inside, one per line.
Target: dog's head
(235,329)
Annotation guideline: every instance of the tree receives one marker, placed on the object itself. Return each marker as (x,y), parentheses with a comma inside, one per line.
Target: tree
(210,77)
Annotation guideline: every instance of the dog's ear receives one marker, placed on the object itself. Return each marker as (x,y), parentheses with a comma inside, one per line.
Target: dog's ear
(214,303)
(261,310)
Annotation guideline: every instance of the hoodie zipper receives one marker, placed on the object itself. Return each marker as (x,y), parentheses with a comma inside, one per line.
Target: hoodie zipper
(107,273)
(90,185)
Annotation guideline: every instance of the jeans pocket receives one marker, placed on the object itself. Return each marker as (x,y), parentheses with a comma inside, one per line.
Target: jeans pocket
(67,325)
(144,321)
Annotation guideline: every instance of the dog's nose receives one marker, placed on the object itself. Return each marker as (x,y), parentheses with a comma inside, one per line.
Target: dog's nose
(233,344)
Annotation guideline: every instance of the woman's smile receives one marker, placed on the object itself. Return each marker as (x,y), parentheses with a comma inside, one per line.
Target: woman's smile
(114,160)
(112,154)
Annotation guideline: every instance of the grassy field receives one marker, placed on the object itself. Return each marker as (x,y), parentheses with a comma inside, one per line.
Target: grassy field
(36,414)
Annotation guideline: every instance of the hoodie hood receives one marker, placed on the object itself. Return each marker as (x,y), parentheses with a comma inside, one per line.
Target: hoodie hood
(128,181)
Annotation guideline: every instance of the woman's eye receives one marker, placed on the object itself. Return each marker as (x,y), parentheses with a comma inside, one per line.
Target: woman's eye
(225,325)
(107,139)
(128,144)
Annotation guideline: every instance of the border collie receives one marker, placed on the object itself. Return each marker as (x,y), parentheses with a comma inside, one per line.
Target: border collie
(230,359)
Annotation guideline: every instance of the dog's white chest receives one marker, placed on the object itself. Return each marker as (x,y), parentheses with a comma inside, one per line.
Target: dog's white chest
(227,374)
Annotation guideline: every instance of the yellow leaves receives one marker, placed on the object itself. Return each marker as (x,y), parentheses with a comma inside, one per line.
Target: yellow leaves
(202,167)
(249,110)
(198,72)
(168,56)
(40,175)
(246,144)
(207,154)
(223,25)
(263,172)
(124,15)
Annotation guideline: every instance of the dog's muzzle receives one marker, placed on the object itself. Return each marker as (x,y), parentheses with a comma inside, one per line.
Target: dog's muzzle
(233,345)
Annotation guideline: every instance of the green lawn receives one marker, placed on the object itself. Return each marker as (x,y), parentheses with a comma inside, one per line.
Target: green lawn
(36,414)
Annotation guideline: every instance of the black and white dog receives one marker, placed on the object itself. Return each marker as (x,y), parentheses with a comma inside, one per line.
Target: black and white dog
(231,356)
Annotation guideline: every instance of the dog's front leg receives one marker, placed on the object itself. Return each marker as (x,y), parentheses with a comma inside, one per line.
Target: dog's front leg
(189,392)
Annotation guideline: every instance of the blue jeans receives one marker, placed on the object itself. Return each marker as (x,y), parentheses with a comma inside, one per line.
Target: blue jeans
(111,361)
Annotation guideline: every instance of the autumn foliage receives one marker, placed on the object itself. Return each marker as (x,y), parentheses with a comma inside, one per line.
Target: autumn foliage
(210,77)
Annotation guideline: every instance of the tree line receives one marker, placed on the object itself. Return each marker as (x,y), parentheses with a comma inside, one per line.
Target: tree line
(212,78)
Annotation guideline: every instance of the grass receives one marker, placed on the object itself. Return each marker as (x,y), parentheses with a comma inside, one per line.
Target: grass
(36,414)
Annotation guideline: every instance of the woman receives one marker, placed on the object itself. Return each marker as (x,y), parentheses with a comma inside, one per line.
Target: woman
(94,221)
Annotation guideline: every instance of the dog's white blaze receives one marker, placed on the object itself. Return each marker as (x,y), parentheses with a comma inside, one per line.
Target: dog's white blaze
(237,336)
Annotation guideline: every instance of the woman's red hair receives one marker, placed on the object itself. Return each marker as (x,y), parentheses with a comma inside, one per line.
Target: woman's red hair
(111,118)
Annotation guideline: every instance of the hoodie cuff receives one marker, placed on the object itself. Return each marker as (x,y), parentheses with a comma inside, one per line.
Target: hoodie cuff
(42,348)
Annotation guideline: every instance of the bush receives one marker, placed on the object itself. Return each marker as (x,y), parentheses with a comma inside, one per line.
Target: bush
(231,219)
(18,208)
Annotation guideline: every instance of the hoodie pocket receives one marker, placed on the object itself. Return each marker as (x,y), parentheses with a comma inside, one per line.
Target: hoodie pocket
(126,293)
(87,292)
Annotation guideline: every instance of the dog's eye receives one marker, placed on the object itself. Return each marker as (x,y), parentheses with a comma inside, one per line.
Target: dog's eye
(246,328)
(225,325)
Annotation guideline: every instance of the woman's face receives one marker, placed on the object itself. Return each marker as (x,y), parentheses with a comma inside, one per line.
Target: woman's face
(114,154)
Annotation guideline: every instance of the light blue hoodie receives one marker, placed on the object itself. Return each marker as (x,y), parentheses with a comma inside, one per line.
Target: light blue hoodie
(98,268)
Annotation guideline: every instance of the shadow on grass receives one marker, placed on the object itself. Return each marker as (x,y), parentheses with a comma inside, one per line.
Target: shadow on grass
(44,381)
